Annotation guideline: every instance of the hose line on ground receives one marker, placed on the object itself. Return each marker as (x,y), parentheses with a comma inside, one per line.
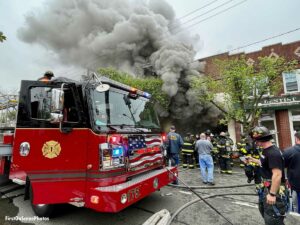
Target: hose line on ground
(198,199)
(201,198)
(211,187)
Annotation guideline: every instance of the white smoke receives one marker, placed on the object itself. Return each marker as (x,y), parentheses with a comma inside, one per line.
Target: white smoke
(124,34)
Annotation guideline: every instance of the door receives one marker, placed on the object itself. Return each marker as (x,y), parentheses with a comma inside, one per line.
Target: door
(52,155)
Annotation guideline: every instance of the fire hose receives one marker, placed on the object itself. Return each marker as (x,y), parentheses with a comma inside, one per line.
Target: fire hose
(211,187)
(200,198)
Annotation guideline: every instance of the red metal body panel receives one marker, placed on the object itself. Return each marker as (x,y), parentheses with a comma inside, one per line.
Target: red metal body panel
(74,175)
(54,180)
(58,191)
(72,155)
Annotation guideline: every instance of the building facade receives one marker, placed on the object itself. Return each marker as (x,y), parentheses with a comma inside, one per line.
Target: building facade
(281,114)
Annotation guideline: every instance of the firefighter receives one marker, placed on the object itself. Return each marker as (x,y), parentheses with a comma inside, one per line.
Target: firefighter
(214,152)
(252,169)
(230,145)
(242,147)
(188,152)
(224,151)
(47,76)
(273,194)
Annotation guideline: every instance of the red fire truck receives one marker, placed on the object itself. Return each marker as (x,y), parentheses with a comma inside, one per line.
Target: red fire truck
(95,144)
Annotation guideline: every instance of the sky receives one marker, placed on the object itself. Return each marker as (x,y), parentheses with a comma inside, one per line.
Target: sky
(248,22)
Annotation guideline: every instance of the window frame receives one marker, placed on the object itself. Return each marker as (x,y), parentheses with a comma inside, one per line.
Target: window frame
(297,72)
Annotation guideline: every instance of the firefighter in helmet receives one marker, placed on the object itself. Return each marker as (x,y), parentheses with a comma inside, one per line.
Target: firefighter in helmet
(188,152)
(47,76)
(273,193)
(252,169)
(224,151)
(243,147)
(248,148)
(229,145)
(215,152)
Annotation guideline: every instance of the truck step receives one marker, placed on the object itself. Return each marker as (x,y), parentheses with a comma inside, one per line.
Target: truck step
(9,188)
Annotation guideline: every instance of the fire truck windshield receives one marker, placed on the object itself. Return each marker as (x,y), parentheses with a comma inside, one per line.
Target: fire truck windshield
(115,108)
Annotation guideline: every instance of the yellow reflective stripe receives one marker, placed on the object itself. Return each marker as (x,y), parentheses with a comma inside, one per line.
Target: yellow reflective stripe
(187,144)
(240,144)
(188,151)
(243,150)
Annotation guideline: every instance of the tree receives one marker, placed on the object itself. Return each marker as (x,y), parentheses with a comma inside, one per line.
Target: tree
(2,37)
(151,85)
(242,86)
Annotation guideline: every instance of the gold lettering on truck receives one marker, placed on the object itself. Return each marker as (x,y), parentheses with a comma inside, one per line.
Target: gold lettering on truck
(51,149)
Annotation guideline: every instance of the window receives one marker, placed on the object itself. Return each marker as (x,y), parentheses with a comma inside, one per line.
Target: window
(291,81)
(114,107)
(40,104)
(40,98)
(257,86)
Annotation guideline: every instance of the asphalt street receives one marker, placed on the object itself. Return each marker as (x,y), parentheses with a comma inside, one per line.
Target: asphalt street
(238,209)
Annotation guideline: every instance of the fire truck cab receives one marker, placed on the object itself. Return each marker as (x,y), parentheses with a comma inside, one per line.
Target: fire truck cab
(95,144)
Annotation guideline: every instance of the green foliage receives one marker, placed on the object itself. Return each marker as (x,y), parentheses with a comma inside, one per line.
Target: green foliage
(151,85)
(2,37)
(243,86)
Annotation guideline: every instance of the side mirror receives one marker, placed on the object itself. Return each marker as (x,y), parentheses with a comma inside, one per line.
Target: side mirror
(102,88)
(57,100)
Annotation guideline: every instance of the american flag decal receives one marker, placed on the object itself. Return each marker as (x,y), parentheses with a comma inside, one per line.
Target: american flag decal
(140,142)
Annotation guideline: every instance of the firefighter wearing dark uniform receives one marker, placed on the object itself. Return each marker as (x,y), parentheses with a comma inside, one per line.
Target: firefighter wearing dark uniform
(230,146)
(214,151)
(273,194)
(224,152)
(188,152)
(252,169)
(242,147)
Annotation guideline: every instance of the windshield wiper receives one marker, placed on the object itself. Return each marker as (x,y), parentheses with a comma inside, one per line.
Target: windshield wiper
(128,103)
(111,127)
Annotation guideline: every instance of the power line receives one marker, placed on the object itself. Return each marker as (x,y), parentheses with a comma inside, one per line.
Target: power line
(211,10)
(196,10)
(216,14)
(266,39)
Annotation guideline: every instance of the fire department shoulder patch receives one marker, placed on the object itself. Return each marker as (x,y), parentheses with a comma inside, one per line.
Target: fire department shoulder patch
(51,149)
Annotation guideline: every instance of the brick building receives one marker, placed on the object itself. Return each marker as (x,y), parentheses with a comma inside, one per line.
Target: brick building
(281,113)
